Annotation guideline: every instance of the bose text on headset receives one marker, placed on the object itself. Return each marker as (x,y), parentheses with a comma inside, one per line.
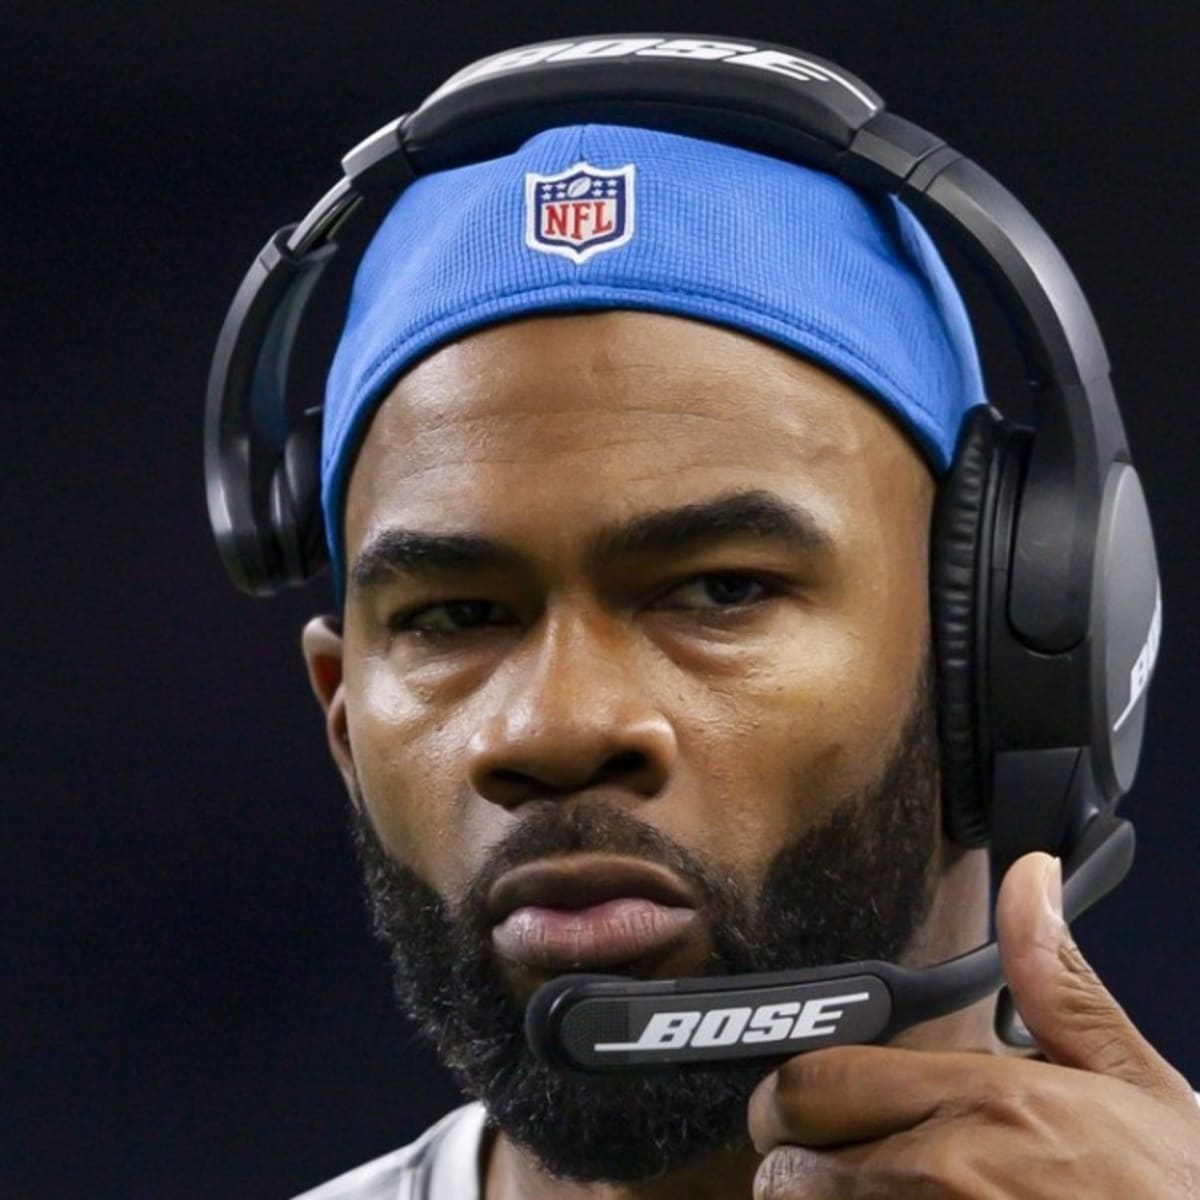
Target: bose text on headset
(587,176)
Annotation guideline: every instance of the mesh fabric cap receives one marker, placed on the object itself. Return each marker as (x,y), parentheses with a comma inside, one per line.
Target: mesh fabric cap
(719,234)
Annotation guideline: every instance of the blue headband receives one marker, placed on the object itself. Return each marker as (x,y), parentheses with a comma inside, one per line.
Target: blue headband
(607,217)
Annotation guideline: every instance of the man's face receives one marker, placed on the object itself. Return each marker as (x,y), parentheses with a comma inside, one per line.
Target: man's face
(635,606)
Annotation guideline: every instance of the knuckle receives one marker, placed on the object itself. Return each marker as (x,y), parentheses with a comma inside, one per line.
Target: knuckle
(1083,984)
(790,1075)
(816,1072)
(1114,1045)
(942,1169)
(1033,1104)
(921,1168)
(1015,1102)
(1111,1053)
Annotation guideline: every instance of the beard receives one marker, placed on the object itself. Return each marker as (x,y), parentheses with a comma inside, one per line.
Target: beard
(857,887)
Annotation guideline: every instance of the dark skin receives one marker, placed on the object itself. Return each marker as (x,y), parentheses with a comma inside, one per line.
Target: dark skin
(731,689)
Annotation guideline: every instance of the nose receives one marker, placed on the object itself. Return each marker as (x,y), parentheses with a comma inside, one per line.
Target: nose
(576,713)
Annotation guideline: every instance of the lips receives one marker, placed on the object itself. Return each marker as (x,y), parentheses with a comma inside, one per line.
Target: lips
(593,911)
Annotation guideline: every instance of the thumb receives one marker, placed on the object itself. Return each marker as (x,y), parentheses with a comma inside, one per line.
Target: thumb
(1071,1014)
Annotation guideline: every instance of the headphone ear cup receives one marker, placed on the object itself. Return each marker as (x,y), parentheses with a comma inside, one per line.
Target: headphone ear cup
(295,502)
(959,553)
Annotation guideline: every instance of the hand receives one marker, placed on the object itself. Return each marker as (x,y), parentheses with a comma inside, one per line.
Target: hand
(1105,1118)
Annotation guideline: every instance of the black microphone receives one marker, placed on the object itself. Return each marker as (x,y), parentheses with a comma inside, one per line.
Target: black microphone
(600,1023)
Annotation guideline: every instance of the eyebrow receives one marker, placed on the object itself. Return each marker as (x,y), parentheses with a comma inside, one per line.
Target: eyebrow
(398,551)
(757,515)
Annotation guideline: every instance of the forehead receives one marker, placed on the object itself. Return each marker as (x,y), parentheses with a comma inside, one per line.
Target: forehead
(598,416)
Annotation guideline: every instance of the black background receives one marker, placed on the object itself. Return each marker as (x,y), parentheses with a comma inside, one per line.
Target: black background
(191,1006)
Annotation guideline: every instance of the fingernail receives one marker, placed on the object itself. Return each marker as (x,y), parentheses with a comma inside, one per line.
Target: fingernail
(1052,888)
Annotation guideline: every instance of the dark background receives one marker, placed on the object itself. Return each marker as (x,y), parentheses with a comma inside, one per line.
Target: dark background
(189,1003)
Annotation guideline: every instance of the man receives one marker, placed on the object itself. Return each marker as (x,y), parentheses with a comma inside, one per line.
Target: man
(633,675)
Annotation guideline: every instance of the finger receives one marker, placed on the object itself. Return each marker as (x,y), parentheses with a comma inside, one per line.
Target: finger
(1072,1016)
(791,1172)
(861,1093)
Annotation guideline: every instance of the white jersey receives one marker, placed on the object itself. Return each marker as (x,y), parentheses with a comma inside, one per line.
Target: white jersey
(442,1164)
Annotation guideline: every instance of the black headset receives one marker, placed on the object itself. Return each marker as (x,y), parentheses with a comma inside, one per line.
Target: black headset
(1044,582)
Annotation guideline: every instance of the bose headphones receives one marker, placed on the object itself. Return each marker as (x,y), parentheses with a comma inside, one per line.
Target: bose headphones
(1046,605)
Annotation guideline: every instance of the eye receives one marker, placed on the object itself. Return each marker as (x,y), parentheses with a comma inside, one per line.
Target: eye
(450,617)
(716,591)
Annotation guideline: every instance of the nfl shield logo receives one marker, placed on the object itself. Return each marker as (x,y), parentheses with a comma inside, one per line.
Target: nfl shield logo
(580,212)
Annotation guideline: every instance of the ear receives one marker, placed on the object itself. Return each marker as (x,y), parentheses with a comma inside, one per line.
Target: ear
(323,645)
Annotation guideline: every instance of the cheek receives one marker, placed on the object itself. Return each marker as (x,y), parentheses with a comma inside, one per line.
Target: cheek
(408,755)
(812,725)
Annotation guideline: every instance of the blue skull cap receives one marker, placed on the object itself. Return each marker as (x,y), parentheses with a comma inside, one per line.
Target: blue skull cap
(609,217)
